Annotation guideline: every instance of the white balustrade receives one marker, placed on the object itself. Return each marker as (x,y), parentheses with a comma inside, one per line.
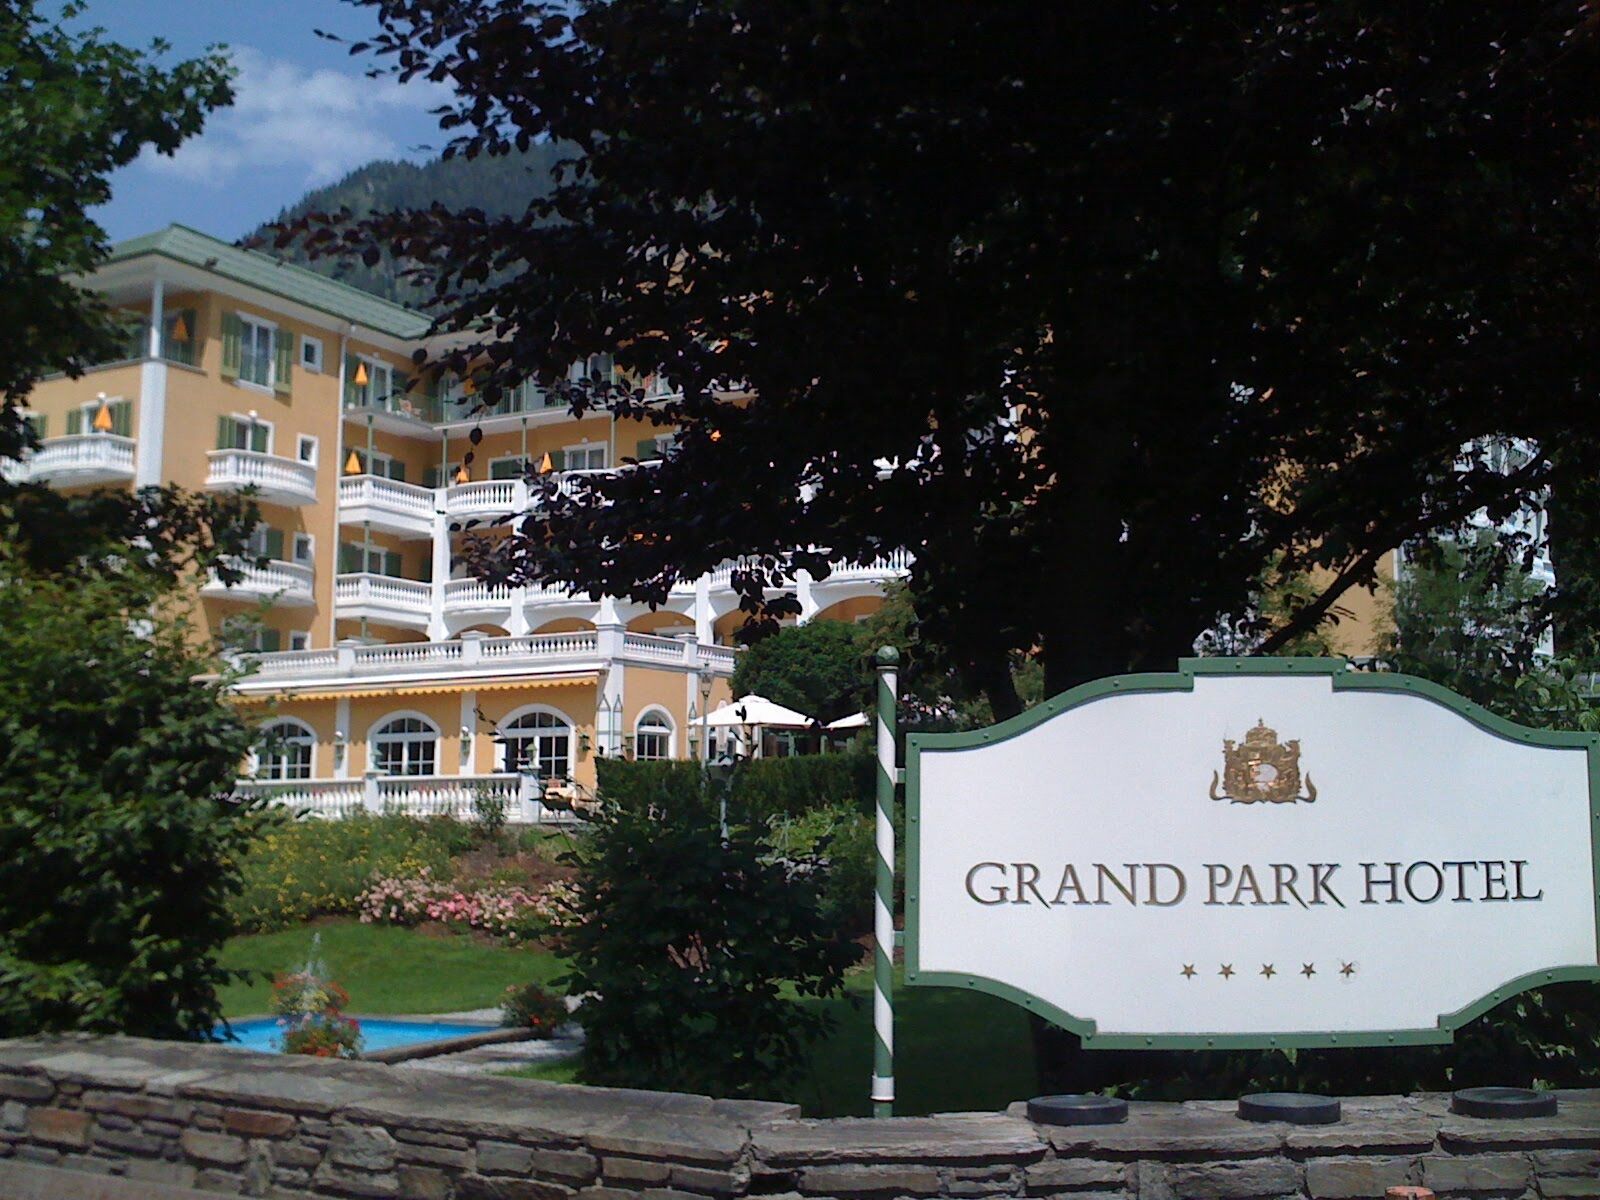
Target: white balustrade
(383,595)
(408,654)
(661,649)
(488,496)
(473,594)
(413,795)
(79,459)
(387,503)
(542,645)
(444,795)
(281,582)
(318,797)
(279,480)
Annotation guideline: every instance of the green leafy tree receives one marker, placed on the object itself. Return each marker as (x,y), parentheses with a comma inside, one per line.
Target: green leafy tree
(120,841)
(816,668)
(1100,310)
(688,947)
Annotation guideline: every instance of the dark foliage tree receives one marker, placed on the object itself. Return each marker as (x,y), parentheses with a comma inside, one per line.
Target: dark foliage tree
(819,668)
(1103,310)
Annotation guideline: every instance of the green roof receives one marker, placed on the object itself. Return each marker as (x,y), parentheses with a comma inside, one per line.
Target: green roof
(280,278)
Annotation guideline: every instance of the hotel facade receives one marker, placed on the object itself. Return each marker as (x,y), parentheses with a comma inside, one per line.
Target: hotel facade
(383,674)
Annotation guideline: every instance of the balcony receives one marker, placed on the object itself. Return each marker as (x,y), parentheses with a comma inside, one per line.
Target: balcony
(79,460)
(277,480)
(415,795)
(282,583)
(485,499)
(403,509)
(407,603)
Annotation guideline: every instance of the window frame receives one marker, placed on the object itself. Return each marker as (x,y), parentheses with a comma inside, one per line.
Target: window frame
(278,767)
(246,321)
(309,541)
(417,747)
(304,442)
(313,361)
(659,723)
(508,734)
(584,448)
(247,422)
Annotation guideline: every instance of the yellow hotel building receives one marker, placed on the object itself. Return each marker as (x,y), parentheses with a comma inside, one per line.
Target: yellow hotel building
(385,676)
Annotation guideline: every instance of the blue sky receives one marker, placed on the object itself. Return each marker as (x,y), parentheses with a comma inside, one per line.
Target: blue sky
(304,113)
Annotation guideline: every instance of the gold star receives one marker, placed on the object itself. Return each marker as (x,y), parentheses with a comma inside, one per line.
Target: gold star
(1227,971)
(1188,971)
(1347,970)
(1308,970)
(1268,971)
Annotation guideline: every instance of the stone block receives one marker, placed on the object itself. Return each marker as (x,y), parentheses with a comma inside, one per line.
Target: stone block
(1356,1178)
(90,1165)
(223,1183)
(864,1180)
(481,1187)
(1568,1130)
(1074,1174)
(346,1181)
(617,1170)
(130,1141)
(172,1174)
(108,1120)
(424,1183)
(364,1147)
(251,1122)
(967,1138)
(428,1137)
(1500,1173)
(1365,1136)
(14,1116)
(213,1149)
(136,1106)
(1565,1162)
(31,1088)
(433,1156)
(610,1193)
(59,1127)
(575,1167)
(1561,1187)
(679,1139)
(1165,1131)
(709,1182)
(39,1154)
(295,1154)
(1234,1180)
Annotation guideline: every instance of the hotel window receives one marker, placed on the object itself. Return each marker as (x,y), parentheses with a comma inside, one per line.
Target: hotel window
(376,462)
(506,468)
(588,457)
(405,746)
(304,549)
(244,433)
(540,742)
(306,449)
(266,542)
(180,341)
(299,639)
(81,419)
(652,739)
(369,383)
(285,751)
(256,352)
(311,353)
(354,558)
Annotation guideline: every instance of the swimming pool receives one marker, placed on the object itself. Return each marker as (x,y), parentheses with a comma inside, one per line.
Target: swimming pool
(262,1033)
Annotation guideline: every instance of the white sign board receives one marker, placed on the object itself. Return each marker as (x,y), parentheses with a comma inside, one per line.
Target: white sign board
(1253,853)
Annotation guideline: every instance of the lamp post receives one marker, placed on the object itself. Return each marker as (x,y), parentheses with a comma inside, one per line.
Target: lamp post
(705,681)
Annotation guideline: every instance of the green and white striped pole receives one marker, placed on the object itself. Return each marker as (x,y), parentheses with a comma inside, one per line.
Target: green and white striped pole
(883,919)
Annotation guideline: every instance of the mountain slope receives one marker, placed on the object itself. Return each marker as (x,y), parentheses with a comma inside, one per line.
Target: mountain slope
(499,186)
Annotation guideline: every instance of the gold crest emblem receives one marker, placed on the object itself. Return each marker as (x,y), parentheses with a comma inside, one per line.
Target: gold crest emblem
(1261,769)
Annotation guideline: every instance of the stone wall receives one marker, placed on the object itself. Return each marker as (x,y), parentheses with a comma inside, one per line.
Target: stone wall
(161,1117)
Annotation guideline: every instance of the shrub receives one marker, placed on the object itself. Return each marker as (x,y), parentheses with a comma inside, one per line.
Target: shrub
(840,844)
(761,788)
(529,1006)
(297,869)
(688,944)
(118,838)
(508,911)
(819,668)
(489,812)
(310,1011)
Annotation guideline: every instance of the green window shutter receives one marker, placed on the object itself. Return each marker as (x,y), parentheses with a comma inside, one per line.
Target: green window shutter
(353,396)
(232,335)
(74,422)
(558,460)
(122,418)
(283,360)
(397,470)
(271,641)
(506,468)
(273,540)
(430,478)
(647,449)
(349,558)
(393,564)
(259,435)
(38,423)
(227,432)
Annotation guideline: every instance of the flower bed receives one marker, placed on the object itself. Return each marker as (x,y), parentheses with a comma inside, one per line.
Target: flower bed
(511,912)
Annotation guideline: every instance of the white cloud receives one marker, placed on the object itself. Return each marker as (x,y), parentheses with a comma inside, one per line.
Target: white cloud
(286,117)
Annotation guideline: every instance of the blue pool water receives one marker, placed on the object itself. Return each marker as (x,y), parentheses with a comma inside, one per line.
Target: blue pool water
(262,1033)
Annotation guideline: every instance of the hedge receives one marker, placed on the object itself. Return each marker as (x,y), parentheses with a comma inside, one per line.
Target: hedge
(762,787)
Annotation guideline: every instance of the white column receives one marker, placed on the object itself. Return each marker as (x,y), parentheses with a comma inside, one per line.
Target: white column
(802,592)
(151,431)
(517,622)
(608,634)
(469,739)
(441,573)
(341,738)
(705,619)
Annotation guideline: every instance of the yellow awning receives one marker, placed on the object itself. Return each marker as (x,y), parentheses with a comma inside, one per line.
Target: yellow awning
(418,689)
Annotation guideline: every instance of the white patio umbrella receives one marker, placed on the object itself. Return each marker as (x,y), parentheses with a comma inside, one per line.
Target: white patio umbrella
(853,721)
(758,710)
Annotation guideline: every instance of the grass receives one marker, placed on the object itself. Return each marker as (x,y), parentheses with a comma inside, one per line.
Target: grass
(957,1050)
(384,968)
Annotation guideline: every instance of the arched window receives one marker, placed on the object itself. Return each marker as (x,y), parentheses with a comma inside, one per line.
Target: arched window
(285,751)
(405,746)
(539,741)
(652,736)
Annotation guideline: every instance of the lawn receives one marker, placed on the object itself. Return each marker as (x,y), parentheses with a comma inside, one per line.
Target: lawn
(957,1050)
(385,969)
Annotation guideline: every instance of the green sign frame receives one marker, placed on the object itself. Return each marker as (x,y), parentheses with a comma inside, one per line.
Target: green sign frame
(1343,679)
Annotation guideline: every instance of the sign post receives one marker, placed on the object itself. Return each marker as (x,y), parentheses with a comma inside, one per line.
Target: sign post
(883,914)
(1246,853)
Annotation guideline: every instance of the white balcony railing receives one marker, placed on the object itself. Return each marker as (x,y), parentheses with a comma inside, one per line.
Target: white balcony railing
(473,595)
(78,460)
(277,480)
(587,649)
(414,795)
(406,602)
(486,498)
(286,583)
(387,505)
